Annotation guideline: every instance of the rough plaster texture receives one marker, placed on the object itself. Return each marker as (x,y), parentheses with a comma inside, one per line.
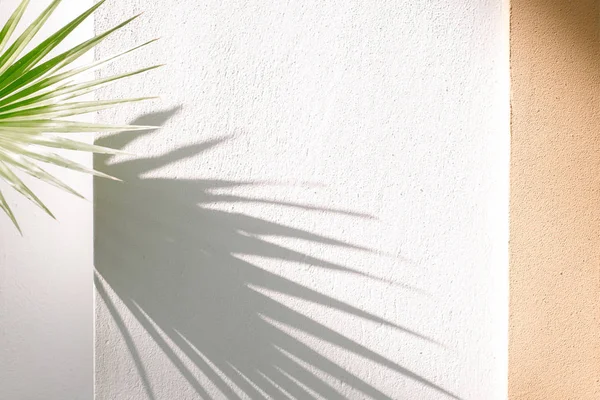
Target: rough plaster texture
(555,259)
(46,323)
(323,213)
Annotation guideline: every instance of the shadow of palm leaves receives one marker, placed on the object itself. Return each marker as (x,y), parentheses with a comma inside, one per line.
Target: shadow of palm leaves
(175,265)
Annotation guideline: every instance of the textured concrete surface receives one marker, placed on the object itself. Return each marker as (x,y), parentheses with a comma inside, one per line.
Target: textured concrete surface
(46,323)
(323,213)
(555,197)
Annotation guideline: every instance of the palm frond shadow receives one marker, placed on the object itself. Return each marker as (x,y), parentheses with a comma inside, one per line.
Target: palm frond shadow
(174,263)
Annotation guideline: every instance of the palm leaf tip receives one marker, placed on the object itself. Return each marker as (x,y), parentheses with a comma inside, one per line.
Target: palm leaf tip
(37,94)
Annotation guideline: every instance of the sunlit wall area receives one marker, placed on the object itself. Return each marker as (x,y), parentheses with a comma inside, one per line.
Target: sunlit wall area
(555,200)
(324,210)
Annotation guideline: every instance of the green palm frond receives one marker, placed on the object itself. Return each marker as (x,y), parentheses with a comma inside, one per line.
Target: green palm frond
(37,93)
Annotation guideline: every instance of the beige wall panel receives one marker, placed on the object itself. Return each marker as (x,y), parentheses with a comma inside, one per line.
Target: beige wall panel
(555,201)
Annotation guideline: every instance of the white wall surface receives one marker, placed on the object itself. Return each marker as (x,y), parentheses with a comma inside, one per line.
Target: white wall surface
(323,213)
(46,322)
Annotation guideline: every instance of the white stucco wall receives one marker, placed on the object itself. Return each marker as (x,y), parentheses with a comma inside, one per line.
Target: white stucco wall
(323,213)
(46,323)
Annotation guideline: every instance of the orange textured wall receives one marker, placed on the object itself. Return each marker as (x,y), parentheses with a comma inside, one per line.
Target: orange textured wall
(554,350)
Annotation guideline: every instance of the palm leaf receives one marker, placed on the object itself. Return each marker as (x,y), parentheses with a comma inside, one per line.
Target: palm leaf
(37,93)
